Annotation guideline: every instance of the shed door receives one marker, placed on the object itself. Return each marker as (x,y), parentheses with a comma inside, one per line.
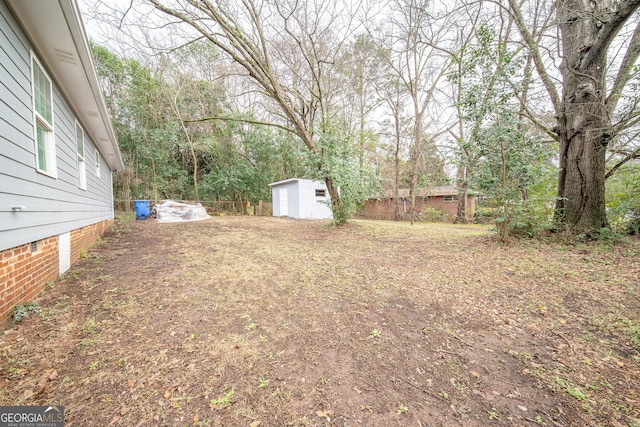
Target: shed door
(284,202)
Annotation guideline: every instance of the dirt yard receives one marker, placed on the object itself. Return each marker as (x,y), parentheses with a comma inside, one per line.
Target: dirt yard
(245,321)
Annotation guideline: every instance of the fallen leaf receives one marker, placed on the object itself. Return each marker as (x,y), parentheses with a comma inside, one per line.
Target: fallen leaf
(39,393)
(255,424)
(325,414)
(475,374)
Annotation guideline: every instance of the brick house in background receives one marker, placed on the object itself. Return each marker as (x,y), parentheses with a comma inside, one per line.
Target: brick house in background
(57,147)
(443,198)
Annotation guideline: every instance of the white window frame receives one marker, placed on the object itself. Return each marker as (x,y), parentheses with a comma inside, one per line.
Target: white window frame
(97,163)
(80,151)
(40,122)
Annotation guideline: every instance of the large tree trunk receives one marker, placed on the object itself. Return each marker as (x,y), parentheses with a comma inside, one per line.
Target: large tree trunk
(584,128)
(581,190)
(587,30)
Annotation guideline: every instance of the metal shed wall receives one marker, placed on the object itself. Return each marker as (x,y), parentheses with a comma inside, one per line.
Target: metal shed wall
(291,187)
(312,206)
(302,202)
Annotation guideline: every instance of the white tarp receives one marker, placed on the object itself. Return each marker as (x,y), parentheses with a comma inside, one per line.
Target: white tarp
(172,211)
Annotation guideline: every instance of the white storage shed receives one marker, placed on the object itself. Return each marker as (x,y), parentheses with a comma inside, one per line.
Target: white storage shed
(301,199)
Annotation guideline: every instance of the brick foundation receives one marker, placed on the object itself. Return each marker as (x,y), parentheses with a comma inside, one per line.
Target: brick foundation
(83,238)
(26,269)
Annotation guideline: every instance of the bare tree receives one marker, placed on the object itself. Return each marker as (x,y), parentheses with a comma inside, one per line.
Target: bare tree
(465,29)
(286,48)
(361,71)
(391,92)
(413,55)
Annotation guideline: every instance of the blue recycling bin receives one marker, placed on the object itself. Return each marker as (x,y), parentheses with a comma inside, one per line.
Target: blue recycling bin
(142,209)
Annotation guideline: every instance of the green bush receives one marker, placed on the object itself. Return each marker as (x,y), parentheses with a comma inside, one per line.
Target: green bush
(623,200)
(433,215)
(485,215)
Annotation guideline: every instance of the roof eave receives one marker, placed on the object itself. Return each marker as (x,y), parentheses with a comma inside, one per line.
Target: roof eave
(57,34)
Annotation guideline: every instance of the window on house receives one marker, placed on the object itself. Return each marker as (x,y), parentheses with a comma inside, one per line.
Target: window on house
(82,168)
(97,163)
(321,192)
(450,198)
(43,119)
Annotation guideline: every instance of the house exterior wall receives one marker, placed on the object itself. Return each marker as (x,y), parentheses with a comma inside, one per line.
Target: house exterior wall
(53,205)
(379,209)
(450,208)
(36,208)
(23,273)
(26,269)
(384,208)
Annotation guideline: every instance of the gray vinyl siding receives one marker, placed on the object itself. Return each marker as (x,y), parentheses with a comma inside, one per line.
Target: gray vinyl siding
(53,205)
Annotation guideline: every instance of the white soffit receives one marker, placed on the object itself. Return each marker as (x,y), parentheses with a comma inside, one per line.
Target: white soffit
(57,34)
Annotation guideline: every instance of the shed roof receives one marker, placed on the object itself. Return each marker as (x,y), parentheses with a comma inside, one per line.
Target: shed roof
(57,33)
(287,181)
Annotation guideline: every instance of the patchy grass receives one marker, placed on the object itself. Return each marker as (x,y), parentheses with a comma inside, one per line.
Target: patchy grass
(247,321)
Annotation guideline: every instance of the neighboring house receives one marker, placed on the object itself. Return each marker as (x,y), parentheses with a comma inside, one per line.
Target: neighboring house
(57,147)
(444,199)
(301,199)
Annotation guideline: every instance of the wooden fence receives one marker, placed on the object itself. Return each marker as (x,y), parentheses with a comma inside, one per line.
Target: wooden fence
(213,206)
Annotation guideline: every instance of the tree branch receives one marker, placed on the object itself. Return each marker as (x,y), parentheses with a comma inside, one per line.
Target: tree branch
(624,73)
(514,9)
(233,119)
(633,155)
(609,31)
